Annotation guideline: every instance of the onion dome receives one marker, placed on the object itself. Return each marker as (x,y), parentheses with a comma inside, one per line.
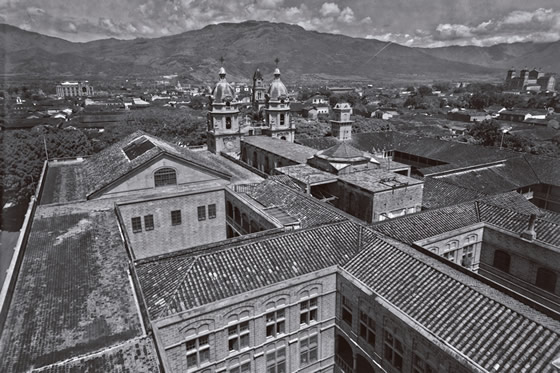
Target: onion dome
(223,91)
(277,89)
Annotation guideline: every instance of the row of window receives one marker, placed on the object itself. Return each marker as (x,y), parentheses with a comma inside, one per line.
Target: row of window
(546,279)
(203,212)
(198,349)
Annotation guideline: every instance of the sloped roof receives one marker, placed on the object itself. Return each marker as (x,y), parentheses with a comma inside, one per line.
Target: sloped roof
(440,193)
(286,149)
(342,150)
(221,273)
(478,321)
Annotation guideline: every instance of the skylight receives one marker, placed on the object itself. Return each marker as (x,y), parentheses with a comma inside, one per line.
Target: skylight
(138,147)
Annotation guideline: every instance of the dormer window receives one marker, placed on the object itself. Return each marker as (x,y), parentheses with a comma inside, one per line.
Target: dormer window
(165,176)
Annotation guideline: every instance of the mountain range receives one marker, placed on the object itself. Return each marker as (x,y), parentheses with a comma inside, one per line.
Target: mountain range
(304,55)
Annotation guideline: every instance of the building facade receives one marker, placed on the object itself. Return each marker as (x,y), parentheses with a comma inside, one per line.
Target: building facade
(341,125)
(277,111)
(74,89)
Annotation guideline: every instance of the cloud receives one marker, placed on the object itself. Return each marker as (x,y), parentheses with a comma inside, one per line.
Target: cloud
(347,15)
(329,9)
(540,25)
(269,4)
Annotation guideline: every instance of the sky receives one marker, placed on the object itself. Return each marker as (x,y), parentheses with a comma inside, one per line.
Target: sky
(421,23)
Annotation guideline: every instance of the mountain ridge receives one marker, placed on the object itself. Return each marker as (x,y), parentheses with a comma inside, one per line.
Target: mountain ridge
(304,55)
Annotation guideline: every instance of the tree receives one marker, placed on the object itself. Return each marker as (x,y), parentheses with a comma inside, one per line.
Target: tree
(479,101)
(486,132)
(424,90)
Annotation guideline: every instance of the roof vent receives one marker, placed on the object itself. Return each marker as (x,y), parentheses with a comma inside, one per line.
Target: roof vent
(529,233)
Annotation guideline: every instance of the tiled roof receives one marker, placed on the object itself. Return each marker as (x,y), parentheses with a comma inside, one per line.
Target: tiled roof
(64,182)
(219,274)
(342,150)
(134,356)
(509,211)
(440,193)
(306,174)
(480,322)
(72,295)
(376,180)
(308,210)
(289,150)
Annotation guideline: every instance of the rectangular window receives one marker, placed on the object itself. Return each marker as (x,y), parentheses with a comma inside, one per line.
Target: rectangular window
(367,329)
(176,217)
(149,222)
(136,224)
(212,211)
(347,310)
(275,323)
(308,311)
(393,351)
(198,352)
(238,336)
(276,361)
(308,350)
(243,368)
(201,213)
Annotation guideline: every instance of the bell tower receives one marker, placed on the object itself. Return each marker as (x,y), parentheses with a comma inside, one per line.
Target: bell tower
(277,110)
(259,91)
(223,133)
(341,125)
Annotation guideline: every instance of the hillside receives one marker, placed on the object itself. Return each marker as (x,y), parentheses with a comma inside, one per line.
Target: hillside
(195,54)
(518,55)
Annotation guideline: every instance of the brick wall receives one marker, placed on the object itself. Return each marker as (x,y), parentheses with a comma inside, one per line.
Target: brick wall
(166,237)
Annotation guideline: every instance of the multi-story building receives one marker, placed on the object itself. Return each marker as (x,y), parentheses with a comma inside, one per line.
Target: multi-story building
(74,89)
(341,125)
(533,80)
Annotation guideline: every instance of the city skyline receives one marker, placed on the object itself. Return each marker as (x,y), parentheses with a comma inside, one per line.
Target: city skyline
(426,23)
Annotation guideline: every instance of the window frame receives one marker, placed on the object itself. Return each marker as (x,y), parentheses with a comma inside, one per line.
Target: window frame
(309,310)
(201,213)
(420,364)
(306,352)
(544,275)
(149,222)
(278,363)
(347,314)
(197,351)
(501,258)
(212,211)
(276,322)
(367,325)
(393,350)
(136,222)
(162,177)
(237,334)
(176,217)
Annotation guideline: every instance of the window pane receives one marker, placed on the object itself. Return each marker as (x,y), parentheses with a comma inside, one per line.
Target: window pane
(232,330)
(149,222)
(270,317)
(211,211)
(398,361)
(203,340)
(313,354)
(313,302)
(303,318)
(245,341)
(136,225)
(191,360)
(363,331)
(245,368)
(204,355)
(244,326)
(176,217)
(191,345)
(280,327)
(313,315)
(270,330)
(201,212)
(165,176)
(281,367)
(233,345)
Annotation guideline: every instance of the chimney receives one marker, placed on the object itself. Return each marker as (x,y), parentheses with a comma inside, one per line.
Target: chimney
(529,233)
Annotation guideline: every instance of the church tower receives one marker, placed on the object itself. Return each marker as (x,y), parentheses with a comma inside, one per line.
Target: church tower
(223,134)
(277,110)
(341,125)
(259,91)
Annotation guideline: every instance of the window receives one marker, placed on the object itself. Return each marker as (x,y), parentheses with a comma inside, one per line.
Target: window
(308,350)
(198,352)
(238,336)
(467,258)
(282,118)
(276,361)
(228,122)
(165,176)
(393,350)
(546,279)
(176,217)
(367,328)
(136,224)
(212,211)
(201,213)
(243,368)
(275,323)
(308,311)
(419,365)
(347,310)
(149,222)
(502,260)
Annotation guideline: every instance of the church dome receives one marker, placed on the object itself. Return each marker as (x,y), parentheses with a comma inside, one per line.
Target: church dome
(277,89)
(223,91)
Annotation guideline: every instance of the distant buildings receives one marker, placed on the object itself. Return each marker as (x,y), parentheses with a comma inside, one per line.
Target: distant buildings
(74,89)
(534,81)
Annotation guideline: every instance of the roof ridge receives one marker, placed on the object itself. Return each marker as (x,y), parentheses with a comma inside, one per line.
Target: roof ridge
(166,309)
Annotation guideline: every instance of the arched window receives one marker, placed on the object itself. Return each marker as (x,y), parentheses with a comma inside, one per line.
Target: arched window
(546,279)
(165,176)
(502,260)
(228,123)
(266,164)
